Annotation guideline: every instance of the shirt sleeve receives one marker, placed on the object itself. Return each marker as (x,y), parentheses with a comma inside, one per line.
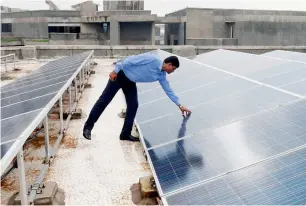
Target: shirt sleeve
(166,87)
(118,67)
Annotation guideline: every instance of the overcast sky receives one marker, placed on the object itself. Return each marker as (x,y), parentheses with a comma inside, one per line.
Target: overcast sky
(162,7)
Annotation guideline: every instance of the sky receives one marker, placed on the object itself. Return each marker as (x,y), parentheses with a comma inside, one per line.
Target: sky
(162,7)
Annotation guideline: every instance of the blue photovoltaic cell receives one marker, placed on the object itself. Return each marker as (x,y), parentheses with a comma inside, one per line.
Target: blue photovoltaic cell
(208,154)
(280,181)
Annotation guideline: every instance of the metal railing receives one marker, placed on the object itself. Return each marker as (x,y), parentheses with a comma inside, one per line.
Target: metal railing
(6,57)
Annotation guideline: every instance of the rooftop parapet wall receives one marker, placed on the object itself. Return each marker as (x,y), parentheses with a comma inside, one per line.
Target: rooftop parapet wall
(51,51)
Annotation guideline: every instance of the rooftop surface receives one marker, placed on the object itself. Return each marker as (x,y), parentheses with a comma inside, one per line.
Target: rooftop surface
(100,171)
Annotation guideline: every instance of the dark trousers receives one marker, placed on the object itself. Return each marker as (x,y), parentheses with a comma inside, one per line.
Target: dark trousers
(130,92)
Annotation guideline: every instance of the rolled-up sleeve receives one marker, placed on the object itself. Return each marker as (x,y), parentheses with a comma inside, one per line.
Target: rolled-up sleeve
(166,87)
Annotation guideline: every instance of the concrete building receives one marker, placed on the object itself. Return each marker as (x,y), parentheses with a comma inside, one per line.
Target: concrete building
(5,9)
(160,34)
(190,26)
(237,27)
(109,5)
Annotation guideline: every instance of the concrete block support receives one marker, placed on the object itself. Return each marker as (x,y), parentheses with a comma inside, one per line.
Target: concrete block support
(28,52)
(114,32)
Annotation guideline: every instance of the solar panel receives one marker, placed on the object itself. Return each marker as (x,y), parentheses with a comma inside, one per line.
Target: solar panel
(287,75)
(207,154)
(277,181)
(26,101)
(235,123)
(288,55)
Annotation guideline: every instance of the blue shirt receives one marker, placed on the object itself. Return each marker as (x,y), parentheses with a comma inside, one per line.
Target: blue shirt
(146,68)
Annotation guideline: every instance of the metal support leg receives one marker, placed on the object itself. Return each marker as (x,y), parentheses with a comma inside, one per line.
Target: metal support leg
(5,65)
(22,181)
(76,89)
(83,72)
(47,148)
(61,113)
(80,78)
(70,112)
(14,62)
(86,71)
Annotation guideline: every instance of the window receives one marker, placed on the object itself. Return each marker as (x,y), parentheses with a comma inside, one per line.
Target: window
(105,27)
(64,29)
(6,28)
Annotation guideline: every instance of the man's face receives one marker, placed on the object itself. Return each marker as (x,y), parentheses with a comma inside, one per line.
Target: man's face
(169,68)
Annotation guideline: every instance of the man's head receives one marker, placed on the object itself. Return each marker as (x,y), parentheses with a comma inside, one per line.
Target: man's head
(170,64)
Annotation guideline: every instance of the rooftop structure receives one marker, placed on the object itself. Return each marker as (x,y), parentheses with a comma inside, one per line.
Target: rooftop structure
(127,26)
(109,5)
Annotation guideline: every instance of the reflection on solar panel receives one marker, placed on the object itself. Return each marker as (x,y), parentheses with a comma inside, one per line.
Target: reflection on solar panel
(288,55)
(287,75)
(236,123)
(26,101)
(275,182)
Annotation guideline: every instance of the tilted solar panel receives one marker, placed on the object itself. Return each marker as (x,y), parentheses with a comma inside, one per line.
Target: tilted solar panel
(26,101)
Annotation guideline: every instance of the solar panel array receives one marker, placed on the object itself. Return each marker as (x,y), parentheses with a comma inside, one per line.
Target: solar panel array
(241,132)
(23,101)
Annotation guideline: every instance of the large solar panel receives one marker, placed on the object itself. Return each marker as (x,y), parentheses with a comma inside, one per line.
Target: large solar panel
(235,123)
(287,75)
(26,101)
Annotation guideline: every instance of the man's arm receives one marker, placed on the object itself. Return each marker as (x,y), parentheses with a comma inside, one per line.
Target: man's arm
(166,87)
(118,67)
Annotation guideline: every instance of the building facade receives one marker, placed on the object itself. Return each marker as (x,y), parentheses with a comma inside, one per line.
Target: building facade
(190,26)
(237,27)
(109,5)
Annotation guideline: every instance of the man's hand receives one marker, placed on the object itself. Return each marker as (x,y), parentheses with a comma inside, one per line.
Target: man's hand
(113,76)
(184,110)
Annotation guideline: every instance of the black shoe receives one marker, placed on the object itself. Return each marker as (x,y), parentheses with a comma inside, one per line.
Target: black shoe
(87,134)
(129,138)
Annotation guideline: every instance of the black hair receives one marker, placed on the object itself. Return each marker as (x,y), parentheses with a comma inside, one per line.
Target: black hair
(173,60)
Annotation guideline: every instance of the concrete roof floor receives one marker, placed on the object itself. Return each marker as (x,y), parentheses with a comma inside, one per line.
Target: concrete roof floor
(96,172)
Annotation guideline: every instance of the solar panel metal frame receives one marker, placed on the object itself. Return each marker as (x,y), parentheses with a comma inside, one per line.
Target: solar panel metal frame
(163,198)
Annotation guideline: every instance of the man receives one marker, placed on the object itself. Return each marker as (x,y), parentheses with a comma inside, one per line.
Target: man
(140,68)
